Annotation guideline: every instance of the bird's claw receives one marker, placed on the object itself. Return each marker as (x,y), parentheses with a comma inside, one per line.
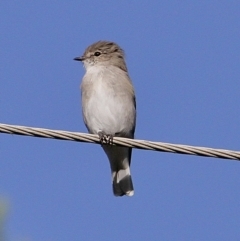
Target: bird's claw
(105,139)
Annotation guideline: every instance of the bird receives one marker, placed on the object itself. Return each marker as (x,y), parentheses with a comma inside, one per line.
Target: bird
(109,107)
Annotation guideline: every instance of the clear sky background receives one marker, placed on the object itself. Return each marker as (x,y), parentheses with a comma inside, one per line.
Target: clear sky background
(184,60)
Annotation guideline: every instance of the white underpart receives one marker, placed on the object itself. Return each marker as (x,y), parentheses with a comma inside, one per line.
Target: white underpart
(106,107)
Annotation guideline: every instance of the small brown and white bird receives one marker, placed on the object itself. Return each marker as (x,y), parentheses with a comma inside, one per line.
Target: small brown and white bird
(109,107)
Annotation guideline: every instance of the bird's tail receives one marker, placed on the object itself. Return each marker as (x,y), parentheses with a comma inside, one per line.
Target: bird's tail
(120,158)
(122,183)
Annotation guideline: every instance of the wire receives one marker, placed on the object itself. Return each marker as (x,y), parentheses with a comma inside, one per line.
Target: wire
(139,144)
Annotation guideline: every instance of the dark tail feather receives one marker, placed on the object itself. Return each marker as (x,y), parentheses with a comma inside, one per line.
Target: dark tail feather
(123,187)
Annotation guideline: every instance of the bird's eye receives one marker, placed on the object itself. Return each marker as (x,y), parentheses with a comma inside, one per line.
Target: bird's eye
(97,53)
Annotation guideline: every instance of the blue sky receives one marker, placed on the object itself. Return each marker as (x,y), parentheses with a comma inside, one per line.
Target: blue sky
(183,58)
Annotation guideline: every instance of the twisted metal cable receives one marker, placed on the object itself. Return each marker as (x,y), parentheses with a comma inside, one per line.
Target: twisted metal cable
(139,144)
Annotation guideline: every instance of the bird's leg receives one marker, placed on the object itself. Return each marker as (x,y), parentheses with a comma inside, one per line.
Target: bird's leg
(105,139)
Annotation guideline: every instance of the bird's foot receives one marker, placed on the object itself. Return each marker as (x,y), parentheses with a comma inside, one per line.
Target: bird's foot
(105,138)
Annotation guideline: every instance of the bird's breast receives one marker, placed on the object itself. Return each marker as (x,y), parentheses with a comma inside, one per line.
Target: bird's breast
(106,106)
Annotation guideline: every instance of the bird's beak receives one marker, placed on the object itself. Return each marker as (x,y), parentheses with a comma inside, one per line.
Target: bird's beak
(79,59)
